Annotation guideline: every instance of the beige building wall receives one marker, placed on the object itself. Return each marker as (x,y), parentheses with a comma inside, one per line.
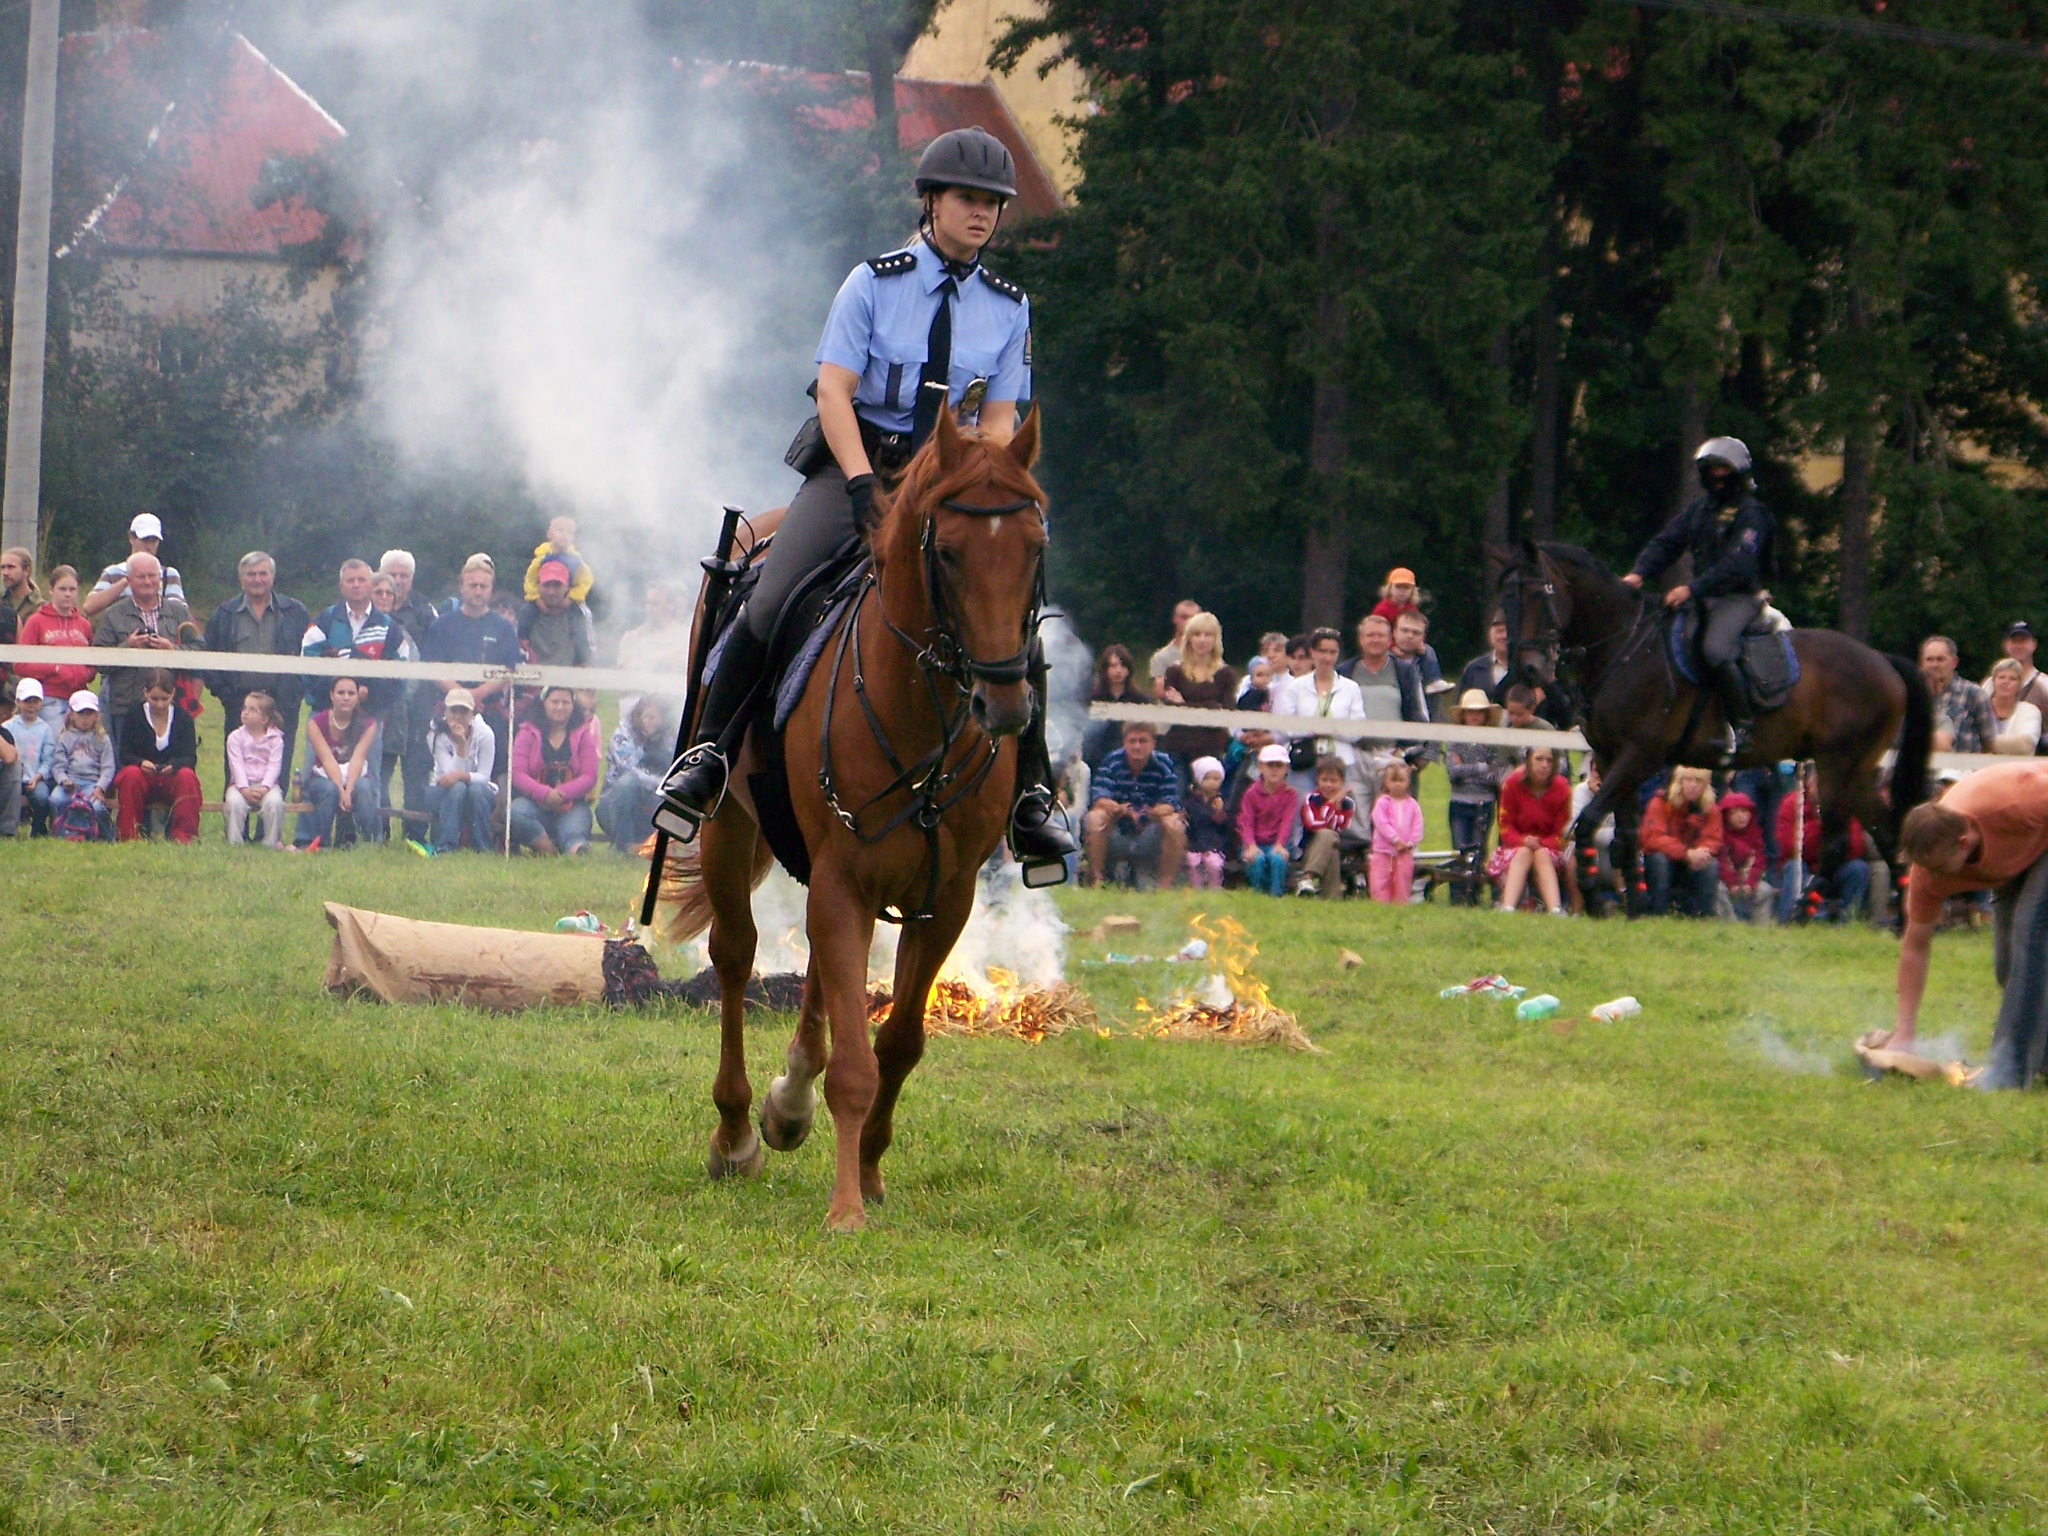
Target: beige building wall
(957,50)
(137,297)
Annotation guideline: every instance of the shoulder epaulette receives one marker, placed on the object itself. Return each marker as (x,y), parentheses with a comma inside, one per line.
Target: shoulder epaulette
(1003,285)
(895,264)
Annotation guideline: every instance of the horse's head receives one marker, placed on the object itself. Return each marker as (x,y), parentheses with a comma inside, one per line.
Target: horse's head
(1537,607)
(969,519)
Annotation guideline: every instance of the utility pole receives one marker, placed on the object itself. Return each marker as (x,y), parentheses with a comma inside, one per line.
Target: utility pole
(21,498)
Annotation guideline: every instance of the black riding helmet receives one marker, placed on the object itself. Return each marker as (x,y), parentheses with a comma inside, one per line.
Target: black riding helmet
(967,157)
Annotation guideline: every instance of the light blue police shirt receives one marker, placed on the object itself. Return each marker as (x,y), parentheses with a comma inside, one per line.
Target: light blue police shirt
(880,322)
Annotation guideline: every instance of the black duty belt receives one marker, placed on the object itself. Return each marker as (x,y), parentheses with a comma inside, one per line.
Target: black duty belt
(887,451)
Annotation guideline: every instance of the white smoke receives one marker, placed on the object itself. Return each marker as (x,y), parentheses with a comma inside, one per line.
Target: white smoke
(580,271)
(1011,928)
(1073,675)
(1761,1035)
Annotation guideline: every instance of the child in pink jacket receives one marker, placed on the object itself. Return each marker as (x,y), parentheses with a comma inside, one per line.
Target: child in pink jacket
(1396,834)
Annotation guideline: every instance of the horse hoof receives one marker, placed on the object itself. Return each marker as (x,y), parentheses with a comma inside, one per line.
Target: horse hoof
(845,1223)
(784,1133)
(748,1164)
(871,1190)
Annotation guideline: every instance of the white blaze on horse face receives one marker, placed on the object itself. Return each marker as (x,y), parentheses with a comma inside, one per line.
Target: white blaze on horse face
(995,526)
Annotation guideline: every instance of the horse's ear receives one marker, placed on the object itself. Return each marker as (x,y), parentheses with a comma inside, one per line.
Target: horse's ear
(952,446)
(1530,553)
(1024,446)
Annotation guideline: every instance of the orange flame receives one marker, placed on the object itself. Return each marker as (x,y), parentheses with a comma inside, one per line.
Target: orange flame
(1030,1014)
(1251,1018)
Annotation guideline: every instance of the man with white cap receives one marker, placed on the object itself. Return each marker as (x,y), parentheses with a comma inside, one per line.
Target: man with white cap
(145,534)
(37,745)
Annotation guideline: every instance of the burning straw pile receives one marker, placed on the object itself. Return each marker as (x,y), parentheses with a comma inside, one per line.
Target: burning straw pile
(1235,1007)
(1030,1014)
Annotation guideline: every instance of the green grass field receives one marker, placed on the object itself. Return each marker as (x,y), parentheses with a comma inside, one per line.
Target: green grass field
(278,1262)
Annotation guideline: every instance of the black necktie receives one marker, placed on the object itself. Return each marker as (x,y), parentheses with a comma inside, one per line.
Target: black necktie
(935,381)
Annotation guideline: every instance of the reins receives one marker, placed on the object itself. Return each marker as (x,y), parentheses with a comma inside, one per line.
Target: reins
(934,787)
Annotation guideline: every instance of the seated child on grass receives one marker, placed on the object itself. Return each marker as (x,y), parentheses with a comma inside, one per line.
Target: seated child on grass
(1208,825)
(1324,816)
(1265,822)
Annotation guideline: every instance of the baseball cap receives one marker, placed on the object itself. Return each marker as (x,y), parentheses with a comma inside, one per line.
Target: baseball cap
(85,698)
(2019,627)
(27,688)
(146,526)
(553,570)
(1400,576)
(1273,752)
(459,698)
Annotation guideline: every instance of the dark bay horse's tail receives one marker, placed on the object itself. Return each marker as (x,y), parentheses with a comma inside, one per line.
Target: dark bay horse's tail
(1909,771)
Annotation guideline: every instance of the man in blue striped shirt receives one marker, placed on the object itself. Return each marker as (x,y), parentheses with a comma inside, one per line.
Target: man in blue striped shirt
(1136,814)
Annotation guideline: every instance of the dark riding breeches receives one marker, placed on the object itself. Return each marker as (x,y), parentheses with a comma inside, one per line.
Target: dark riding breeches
(1726,619)
(817,527)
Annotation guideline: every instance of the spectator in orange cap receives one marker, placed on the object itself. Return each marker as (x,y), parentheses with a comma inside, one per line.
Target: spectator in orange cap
(1398,596)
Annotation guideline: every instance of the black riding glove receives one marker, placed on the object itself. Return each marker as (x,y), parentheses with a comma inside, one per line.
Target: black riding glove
(860,490)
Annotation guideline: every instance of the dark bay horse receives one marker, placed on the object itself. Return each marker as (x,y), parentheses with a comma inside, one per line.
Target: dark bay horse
(901,760)
(1640,716)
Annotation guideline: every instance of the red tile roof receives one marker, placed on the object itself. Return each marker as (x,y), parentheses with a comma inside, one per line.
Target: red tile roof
(924,109)
(177,165)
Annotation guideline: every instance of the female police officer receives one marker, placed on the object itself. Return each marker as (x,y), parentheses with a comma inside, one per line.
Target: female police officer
(920,330)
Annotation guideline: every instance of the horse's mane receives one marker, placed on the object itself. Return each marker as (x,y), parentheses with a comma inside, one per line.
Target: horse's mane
(1584,559)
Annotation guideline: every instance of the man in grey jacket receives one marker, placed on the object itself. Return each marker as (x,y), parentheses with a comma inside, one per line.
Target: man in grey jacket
(258,621)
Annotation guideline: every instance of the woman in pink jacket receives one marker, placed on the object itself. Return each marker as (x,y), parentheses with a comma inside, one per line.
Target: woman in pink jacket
(58,622)
(554,771)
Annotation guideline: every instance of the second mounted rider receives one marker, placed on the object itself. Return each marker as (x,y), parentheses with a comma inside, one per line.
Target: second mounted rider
(1730,536)
(911,333)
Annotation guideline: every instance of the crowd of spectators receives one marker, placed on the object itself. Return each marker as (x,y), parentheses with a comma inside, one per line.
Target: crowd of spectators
(92,755)
(1330,815)
(482,765)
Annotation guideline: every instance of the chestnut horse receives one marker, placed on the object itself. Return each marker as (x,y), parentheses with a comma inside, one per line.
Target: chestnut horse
(900,764)
(1850,703)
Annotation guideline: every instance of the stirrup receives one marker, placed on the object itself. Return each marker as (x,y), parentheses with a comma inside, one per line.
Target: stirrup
(1044,874)
(678,817)
(1042,871)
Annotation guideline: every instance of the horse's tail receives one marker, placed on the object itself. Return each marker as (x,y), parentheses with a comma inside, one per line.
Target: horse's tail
(685,901)
(1909,770)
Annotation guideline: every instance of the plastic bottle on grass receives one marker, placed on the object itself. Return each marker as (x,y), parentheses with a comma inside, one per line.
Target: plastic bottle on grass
(1620,1008)
(1541,1006)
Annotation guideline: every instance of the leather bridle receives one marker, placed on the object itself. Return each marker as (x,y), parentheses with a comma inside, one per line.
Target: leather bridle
(1547,643)
(947,653)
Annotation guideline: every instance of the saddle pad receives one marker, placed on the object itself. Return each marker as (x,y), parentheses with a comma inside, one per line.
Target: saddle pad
(790,689)
(1678,635)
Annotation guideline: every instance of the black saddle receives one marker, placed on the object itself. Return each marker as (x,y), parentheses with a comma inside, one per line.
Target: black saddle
(1768,660)
(816,609)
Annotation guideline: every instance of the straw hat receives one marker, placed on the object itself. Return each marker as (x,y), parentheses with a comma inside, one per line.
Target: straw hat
(1475,698)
